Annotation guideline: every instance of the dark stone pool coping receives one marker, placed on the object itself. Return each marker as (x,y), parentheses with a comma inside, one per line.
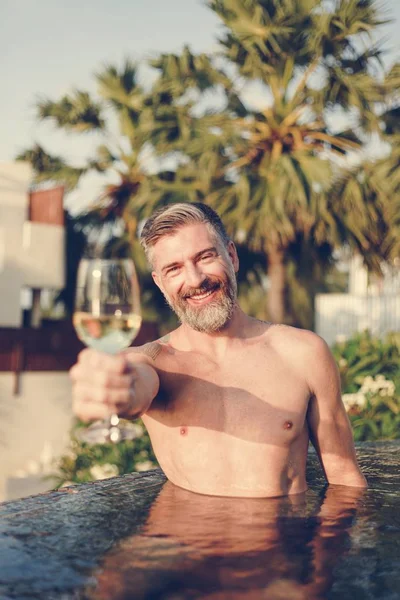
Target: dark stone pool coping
(51,544)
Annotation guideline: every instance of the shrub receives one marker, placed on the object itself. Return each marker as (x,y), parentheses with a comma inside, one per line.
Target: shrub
(370,375)
(85,462)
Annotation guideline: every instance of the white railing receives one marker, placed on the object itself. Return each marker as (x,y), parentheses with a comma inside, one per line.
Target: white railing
(345,314)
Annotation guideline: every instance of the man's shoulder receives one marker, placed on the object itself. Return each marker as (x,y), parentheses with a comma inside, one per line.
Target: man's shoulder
(150,350)
(304,352)
(302,344)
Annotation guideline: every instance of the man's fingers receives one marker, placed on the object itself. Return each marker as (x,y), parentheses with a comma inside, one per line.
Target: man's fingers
(80,373)
(98,402)
(90,411)
(114,381)
(102,384)
(100,360)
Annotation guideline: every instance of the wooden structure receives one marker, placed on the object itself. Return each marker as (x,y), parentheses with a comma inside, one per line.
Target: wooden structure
(53,347)
(47,206)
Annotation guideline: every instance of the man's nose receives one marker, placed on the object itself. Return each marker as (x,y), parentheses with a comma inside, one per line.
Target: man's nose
(194,276)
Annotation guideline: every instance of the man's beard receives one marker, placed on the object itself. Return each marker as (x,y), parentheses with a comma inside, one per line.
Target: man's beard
(215,314)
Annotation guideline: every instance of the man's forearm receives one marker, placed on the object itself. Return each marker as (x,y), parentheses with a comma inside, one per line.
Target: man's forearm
(349,475)
(356,480)
(145,389)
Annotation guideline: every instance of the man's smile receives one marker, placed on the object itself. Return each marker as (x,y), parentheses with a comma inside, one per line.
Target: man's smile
(203,297)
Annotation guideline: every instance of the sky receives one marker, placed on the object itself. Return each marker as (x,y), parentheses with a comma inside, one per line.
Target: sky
(50,47)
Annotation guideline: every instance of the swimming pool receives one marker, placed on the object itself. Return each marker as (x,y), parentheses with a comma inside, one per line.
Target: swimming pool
(139,536)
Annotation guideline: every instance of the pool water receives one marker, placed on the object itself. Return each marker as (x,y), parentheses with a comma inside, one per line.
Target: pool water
(140,537)
(331,542)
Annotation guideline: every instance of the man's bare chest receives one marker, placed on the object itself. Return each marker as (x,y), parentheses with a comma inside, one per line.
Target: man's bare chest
(247,397)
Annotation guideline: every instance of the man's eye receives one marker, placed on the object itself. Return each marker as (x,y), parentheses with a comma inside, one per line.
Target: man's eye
(172,270)
(206,256)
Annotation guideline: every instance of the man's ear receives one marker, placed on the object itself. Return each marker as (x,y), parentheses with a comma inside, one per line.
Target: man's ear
(233,256)
(156,279)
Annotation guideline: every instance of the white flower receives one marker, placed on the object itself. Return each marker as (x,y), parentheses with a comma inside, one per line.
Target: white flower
(370,387)
(146,465)
(104,471)
(342,362)
(352,400)
(134,429)
(377,385)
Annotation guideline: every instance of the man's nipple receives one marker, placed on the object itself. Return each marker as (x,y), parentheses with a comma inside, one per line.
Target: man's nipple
(287,425)
(183,430)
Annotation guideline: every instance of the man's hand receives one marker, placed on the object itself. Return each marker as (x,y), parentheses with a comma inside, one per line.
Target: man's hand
(104,384)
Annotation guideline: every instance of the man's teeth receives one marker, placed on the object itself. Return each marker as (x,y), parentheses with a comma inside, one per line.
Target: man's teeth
(202,296)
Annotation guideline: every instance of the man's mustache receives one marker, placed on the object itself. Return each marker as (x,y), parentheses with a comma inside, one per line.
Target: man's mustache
(208,285)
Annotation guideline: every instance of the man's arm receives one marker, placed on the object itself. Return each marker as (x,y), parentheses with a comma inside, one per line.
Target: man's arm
(330,430)
(103,384)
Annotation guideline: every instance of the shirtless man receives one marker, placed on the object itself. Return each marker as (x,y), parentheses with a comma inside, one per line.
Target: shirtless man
(229,402)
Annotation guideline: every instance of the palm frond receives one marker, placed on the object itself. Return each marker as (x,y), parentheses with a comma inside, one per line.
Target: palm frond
(50,168)
(76,112)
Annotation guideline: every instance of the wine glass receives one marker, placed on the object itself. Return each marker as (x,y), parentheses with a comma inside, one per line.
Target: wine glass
(107,318)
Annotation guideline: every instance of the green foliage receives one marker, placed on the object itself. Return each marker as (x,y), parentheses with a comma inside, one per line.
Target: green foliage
(370,374)
(311,60)
(51,168)
(86,462)
(379,419)
(365,355)
(77,112)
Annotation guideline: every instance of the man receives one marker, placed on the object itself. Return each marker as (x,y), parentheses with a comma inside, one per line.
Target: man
(230,402)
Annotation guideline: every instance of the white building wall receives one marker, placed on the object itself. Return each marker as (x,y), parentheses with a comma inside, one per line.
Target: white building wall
(15,179)
(31,254)
(372,305)
(42,257)
(34,430)
(344,314)
(35,425)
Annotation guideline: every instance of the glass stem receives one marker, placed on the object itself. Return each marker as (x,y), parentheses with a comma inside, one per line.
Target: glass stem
(114,420)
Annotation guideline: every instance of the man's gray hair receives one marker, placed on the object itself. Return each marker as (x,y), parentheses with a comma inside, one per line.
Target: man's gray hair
(170,218)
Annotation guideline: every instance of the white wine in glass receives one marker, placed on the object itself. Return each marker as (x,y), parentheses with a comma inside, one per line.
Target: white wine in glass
(107,318)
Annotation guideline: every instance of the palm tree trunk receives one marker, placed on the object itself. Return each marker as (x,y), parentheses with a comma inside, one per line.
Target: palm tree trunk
(276,300)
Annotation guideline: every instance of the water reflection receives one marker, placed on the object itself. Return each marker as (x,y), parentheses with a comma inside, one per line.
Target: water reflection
(195,546)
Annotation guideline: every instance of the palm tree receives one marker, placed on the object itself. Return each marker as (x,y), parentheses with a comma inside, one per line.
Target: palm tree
(276,173)
(200,155)
(310,60)
(50,168)
(140,114)
(371,191)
